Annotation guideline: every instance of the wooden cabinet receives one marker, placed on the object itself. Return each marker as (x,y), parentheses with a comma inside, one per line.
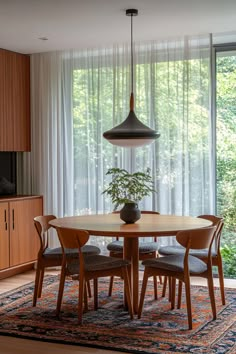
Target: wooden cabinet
(18,239)
(14,101)
(4,236)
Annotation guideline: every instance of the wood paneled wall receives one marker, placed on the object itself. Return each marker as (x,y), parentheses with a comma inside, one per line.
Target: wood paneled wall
(14,101)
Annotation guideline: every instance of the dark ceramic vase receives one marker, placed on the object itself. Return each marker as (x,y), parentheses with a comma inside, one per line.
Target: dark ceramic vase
(130,213)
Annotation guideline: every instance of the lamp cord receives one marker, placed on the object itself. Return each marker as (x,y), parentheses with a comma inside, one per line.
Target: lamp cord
(132,65)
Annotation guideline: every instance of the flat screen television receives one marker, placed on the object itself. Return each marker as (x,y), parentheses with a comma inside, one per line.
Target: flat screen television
(7,173)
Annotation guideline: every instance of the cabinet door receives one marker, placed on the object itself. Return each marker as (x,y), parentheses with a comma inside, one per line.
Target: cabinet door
(6,137)
(14,101)
(4,237)
(24,244)
(21,106)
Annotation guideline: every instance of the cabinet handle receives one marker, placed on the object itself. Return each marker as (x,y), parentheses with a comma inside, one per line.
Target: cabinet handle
(5,219)
(13,219)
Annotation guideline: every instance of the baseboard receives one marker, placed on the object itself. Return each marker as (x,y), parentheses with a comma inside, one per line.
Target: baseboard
(9,272)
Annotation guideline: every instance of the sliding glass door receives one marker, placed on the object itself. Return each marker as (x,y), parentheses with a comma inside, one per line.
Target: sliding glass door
(226,153)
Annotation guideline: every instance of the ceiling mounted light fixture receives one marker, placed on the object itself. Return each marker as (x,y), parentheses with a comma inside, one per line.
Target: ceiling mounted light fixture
(132,132)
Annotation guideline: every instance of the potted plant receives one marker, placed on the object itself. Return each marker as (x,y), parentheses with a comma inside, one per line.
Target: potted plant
(128,189)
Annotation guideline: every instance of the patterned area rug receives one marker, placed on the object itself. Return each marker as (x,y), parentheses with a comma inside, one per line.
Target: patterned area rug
(159,331)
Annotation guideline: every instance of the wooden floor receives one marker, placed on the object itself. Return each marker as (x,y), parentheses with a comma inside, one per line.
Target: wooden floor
(10,345)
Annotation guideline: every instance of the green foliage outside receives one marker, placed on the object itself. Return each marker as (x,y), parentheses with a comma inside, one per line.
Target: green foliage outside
(229,257)
(226,157)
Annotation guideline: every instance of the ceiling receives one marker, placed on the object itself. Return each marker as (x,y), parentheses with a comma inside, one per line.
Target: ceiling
(80,24)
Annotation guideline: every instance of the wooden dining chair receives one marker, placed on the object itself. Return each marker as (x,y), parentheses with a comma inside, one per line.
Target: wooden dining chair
(202,254)
(148,249)
(50,257)
(183,266)
(87,267)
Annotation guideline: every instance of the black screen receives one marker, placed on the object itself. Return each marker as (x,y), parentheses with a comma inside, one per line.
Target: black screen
(7,173)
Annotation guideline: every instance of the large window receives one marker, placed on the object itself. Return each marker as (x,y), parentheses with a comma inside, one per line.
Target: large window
(226,153)
(171,96)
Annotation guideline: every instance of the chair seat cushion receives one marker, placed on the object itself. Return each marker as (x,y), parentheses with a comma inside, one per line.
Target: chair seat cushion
(57,252)
(90,250)
(177,250)
(175,263)
(53,253)
(144,247)
(97,263)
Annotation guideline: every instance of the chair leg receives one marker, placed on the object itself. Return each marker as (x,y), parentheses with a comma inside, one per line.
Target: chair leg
(169,285)
(60,292)
(164,287)
(166,279)
(212,295)
(40,282)
(81,298)
(188,303)
(179,294)
(221,279)
(173,286)
(95,295)
(36,286)
(160,279)
(85,297)
(88,288)
(128,292)
(143,291)
(155,287)
(110,286)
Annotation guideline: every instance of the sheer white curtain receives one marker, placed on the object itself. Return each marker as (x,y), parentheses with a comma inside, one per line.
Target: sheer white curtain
(76,96)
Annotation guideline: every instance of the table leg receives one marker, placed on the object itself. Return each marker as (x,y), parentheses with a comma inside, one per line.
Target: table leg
(131,253)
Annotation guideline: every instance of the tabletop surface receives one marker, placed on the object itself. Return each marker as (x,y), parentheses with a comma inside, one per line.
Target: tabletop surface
(148,225)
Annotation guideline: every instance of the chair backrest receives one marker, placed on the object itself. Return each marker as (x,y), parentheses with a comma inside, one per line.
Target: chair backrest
(215,219)
(42,226)
(72,239)
(219,223)
(218,236)
(197,238)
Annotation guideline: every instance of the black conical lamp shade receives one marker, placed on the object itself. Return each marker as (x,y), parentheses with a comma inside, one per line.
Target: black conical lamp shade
(131,132)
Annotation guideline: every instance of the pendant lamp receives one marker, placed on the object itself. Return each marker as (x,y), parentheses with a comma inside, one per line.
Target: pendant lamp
(131,132)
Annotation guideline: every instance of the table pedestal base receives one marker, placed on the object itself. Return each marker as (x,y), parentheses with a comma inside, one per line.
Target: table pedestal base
(131,252)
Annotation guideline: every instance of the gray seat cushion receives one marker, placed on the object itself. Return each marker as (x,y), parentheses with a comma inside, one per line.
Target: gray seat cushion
(177,250)
(57,252)
(144,247)
(89,249)
(97,263)
(175,263)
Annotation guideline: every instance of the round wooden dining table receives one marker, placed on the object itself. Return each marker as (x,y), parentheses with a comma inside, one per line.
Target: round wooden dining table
(148,225)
